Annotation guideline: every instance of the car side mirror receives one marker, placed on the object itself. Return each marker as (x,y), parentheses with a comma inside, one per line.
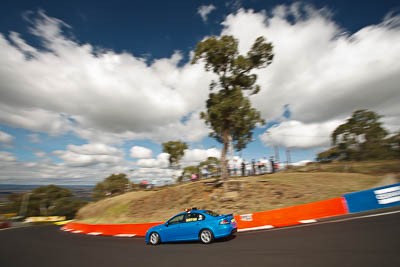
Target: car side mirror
(166,224)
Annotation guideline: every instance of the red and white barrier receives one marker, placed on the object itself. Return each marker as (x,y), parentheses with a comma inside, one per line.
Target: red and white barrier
(300,214)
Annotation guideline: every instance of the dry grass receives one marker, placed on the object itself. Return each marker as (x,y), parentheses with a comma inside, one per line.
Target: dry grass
(366,167)
(252,194)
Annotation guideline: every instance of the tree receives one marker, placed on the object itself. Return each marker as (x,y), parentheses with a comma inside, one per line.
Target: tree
(176,150)
(189,170)
(45,201)
(67,207)
(112,185)
(393,144)
(211,164)
(361,137)
(328,155)
(229,112)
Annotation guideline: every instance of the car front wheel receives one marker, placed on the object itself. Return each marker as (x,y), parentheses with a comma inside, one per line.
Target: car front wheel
(206,236)
(154,238)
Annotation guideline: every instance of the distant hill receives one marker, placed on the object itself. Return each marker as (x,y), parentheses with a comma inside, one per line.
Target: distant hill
(83,192)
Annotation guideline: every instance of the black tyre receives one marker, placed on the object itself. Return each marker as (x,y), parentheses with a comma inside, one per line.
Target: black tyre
(154,239)
(206,236)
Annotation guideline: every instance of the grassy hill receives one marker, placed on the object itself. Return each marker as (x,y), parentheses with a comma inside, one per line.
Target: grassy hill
(242,194)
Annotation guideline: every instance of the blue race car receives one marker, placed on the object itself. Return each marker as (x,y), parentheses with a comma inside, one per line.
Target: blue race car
(193,224)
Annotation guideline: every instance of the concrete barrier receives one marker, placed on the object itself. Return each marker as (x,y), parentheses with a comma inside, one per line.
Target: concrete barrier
(139,229)
(260,220)
(293,215)
(376,198)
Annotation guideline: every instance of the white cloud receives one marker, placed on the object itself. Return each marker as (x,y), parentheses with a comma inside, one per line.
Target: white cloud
(160,162)
(195,156)
(158,176)
(90,154)
(301,163)
(140,152)
(295,134)
(7,156)
(322,72)
(96,93)
(204,11)
(6,138)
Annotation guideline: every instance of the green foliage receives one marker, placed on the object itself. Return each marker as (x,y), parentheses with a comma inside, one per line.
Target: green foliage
(189,170)
(393,144)
(328,155)
(211,164)
(229,112)
(176,150)
(45,201)
(67,207)
(112,185)
(13,203)
(362,137)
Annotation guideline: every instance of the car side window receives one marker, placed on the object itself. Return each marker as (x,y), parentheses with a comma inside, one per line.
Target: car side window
(176,219)
(194,217)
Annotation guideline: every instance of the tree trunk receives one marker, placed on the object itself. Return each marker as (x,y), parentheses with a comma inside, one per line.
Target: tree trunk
(224,167)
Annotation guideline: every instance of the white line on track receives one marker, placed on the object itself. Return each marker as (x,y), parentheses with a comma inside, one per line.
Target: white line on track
(95,233)
(307,221)
(125,235)
(334,221)
(256,228)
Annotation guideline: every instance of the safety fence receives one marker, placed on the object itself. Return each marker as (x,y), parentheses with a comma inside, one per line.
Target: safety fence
(376,198)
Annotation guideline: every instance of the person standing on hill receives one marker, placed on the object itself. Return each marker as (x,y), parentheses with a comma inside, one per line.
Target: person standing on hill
(271,159)
(243,167)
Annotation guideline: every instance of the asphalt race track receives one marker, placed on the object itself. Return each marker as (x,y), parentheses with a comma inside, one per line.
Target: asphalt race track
(372,241)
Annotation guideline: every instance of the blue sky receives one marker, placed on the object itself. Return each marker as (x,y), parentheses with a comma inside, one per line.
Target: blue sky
(90,88)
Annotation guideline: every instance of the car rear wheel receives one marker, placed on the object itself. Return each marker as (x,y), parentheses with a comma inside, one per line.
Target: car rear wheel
(206,236)
(154,238)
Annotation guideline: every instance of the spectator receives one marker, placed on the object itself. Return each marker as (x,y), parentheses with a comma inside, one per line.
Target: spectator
(248,169)
(260,167)
(243,167)
(253,167)
(272,164)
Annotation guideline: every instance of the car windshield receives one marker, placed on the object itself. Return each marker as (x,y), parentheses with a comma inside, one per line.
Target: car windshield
(212,213)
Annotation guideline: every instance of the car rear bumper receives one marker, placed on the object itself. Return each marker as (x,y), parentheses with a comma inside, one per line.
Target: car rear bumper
(225,231)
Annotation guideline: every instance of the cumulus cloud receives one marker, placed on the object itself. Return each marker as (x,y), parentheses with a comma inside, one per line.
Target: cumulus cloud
(7,156)
(204,11)
(320,71)
(6,138)
(301,163)
(157,176)
(90,154)
(195,156)
(96,93)
(140,152)
(296,134)
(161,161)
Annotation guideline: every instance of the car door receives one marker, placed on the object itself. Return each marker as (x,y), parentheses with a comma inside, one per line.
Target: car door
(192,225)
(173,229)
